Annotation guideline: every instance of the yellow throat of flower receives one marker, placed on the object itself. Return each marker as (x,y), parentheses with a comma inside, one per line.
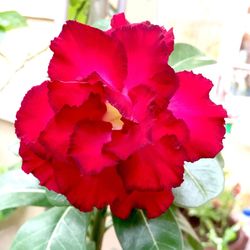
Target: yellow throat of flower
(113,116)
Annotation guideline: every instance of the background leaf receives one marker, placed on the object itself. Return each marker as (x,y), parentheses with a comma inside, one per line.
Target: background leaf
(74,2)
(19,189)
(90,245)
(137,232)
(187,57)
(203,181)
(191,240)
(11,20)
(78,10)
(56,229)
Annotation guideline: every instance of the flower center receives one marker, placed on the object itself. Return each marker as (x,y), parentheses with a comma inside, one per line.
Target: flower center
(113,116)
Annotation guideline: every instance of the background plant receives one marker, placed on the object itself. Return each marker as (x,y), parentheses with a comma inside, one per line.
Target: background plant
(215,225)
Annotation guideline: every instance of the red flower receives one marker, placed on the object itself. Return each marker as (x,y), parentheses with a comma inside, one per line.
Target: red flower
(115,123)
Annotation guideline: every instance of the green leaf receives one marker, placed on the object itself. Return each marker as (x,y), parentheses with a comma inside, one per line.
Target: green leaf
(187,245)
(56,229)
(19,189)
(220,159)
(56,199)
(11,20)
(193,243)
(191,240)
(185,225)
(79,10)
(187,57)
(90,245)
(203,181)
(6,213)
(137,232)
(230,233)
(74,2)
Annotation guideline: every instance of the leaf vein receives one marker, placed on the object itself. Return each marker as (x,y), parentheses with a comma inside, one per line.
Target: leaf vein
(150,232)
(202,190)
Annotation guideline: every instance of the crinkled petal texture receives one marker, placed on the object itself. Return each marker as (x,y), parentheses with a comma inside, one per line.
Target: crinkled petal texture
(115,123)
(79,51)
(204,119)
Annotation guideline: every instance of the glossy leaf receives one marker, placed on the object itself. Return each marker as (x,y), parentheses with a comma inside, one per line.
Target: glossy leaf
(187,57)
(57,228)
(11,20)
(203,181)
(137,232)
(191,240)
(19,189)
(56,199)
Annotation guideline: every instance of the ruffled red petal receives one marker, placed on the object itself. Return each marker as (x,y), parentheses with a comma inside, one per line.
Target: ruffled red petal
(153,203)
(127,140)
(164,82)
(149,76)
(88,191)
(142,102)
(152,129)
(87,144)
(81,50)
(146,51)
(57,135)
(120,101)
(119,20)
(142,97)
(204,119)
(167,124)
(34,114)
(168,39)
(71,93)
(41,168)
(154,167)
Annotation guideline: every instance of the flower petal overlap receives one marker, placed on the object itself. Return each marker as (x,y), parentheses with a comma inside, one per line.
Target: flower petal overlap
(115,124)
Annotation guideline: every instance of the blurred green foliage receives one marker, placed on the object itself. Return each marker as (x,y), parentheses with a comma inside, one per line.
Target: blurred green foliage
(216,227)
(78,10)
(11,20)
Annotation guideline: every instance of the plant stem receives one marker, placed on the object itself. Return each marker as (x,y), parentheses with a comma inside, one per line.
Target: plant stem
(98,229)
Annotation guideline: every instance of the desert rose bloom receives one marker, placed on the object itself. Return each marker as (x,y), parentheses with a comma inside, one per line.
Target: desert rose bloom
(115,123)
